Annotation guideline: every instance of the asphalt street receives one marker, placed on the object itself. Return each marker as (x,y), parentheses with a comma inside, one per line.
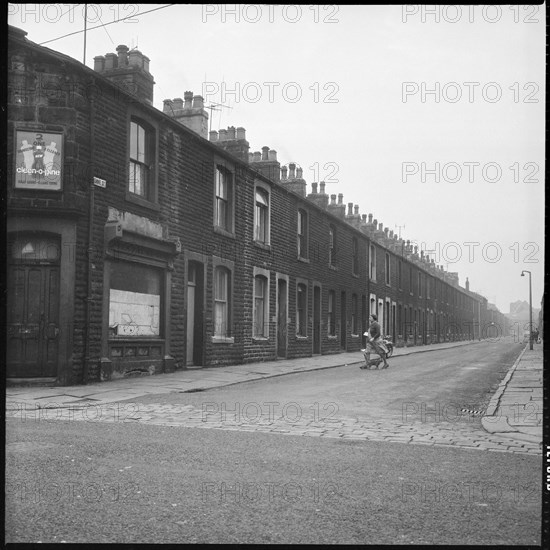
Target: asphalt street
(78,482)
(313,457)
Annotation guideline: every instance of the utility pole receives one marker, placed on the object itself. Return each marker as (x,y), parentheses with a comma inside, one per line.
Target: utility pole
(85,28)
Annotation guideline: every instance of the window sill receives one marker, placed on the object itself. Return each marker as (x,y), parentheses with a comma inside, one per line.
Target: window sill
(136,199)
(302,259)
(260,338)
(262,245)
(330,337)
(223,340)
(224,232)
(354,335)
(298,337)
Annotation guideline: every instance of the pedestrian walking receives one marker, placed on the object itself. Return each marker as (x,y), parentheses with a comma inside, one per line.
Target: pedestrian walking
(375,344)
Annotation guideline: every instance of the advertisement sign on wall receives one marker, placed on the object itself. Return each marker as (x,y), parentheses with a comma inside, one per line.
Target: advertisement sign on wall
(38,160)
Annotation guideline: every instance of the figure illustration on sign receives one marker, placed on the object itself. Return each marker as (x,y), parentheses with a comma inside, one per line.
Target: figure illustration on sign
(38,157)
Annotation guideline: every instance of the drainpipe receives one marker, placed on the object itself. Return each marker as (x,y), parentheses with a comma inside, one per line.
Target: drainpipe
(90,174)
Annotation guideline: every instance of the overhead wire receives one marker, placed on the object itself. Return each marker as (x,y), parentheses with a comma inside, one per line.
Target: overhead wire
(105,24)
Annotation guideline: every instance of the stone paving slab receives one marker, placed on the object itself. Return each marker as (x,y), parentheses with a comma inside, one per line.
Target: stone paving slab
(188,416)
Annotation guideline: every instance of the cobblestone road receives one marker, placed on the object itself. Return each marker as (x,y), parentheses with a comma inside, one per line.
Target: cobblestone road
(461,434)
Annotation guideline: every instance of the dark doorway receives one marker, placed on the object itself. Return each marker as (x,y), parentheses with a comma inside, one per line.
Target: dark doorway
(195,314)
(317,319)
(282,317)
(343,321)
(33,308)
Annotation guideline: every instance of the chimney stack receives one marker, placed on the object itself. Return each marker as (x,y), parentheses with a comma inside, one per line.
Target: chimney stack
(266,163)
(232,140)
(321,198)
(129,70)
(295,182)
(188,111)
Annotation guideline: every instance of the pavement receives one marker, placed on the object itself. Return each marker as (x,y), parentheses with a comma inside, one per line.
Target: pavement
(511,423)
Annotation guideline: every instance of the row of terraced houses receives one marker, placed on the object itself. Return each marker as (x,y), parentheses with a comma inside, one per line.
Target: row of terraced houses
(141,243)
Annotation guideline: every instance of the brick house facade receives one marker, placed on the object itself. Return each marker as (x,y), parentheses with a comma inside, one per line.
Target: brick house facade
(147,245)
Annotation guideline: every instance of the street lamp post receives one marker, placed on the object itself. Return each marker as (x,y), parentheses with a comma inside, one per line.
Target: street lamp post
(530,312)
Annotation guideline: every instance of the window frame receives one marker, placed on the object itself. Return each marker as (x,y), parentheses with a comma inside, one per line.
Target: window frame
(223,167)
(150,163)
(372,262)
(302,237)
(355,256)
(387,268)
(229,267)
(261,214)
(332,246)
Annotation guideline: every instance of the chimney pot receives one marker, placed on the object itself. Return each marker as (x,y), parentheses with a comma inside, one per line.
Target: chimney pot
(284,170)
(257,156)
(250,157)
(299,173)
(350,209)
(333,199)
(356,210)
(122,52)
(177,103)
(340,198)
(198,103)
(375,223)
(188,96)
(322,188)
(167,106)
(99,63)
(370,218)
(380,226)
(222,135)
(265,152)
(110,61)
(146,61)
(386,231)
(291,171)
(241,133)
(314,188)
(135,58)
(213,135)
(272,155)
(364,218)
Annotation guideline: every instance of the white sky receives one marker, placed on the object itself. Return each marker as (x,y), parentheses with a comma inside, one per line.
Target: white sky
(350,63)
